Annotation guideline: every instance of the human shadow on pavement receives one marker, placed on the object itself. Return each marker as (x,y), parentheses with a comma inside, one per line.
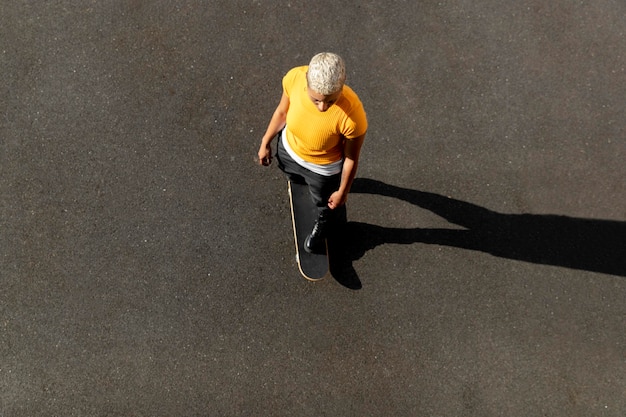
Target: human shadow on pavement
(340,255)
(577,243)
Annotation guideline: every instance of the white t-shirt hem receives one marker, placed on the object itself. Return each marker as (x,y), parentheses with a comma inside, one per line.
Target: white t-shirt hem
(326,170)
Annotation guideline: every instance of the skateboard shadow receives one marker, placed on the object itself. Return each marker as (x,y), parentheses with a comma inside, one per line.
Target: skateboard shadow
(576,243)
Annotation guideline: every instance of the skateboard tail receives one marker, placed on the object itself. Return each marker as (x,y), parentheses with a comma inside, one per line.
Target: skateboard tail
(313,267)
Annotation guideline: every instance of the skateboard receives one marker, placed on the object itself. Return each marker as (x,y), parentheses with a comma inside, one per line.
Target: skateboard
(313,266)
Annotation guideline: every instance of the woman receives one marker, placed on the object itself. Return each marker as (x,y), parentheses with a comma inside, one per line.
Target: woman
(320,124)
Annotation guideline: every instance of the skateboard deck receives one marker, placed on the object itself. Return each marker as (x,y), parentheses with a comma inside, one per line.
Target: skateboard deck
(312,266)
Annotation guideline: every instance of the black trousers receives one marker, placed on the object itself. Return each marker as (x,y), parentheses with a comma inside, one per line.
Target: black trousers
(320,186)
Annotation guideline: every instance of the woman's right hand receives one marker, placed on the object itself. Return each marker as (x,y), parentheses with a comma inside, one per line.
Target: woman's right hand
(277,123)
(265,155)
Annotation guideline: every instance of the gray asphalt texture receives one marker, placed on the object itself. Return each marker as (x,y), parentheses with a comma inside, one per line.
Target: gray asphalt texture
(147,263)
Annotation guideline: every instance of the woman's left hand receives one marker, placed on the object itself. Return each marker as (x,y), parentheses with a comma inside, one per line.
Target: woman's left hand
(337,199)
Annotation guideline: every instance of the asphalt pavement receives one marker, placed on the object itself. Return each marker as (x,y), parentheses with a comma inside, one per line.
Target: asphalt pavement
(147,266)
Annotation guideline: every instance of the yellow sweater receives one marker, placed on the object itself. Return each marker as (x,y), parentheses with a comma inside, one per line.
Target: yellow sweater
(316,136)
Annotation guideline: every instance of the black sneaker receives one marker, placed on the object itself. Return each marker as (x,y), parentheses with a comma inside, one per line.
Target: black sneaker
(316,241)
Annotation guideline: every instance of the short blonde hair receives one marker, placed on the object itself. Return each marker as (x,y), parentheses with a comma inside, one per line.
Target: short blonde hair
(327,73)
